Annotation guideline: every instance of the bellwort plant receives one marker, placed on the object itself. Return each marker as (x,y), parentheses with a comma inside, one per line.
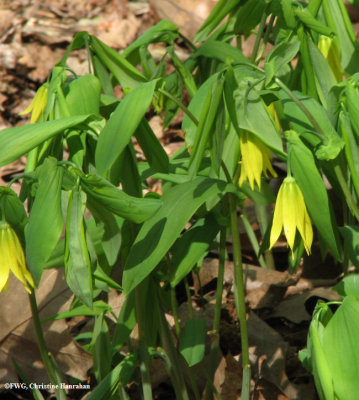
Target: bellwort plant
(282,117)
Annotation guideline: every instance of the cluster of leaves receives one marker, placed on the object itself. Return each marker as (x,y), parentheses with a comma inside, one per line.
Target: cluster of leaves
(82,173)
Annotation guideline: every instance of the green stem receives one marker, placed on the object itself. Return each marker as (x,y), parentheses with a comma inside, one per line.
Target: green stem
(252,238)
(239,290)
(303,108)
(214,351)
(180,105)
(266,36)
(261,212)
(189,298)
(53,375)
(239,295)
(174,369)
(348,196)
(174,311)
(143,350)
(259,36)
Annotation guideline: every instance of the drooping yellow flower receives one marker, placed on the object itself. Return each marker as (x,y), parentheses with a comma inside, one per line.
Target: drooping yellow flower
(274,115)
(12,259)
(290,213)
(38,103)
(330,50)
(255,160)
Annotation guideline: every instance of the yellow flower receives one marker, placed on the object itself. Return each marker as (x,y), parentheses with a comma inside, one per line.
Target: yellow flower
(255,160)
(290,213)
(273,113)
(330,50)
(12,259)
(38,104)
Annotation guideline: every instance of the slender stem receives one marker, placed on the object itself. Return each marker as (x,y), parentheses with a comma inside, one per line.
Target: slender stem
(217,313)
(143,350)
(303,108)
(174,305)
(262,217)
(60,393)
(180,105)
(174,369)
(348,196)
(239,294)
(252,238)
(239,289)
(266,35)
(189,298)
(259,36)
(174,310)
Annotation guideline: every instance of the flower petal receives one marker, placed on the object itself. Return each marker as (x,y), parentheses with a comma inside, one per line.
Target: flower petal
(277,223)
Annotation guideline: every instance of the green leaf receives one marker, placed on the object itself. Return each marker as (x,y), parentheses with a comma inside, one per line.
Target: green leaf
(337,18)
(351,148)
(122,125)
(154,152)
(349,285)
(192,246)
(352,100)
(221,51)
(125,323)
(158,233)
(350,235)
(195,107)
(332,142)
(325,78)
(184,72)
(45,221)
(77,260)
(15,142)
(219,12)
(156,33)
(115,200)
(101,348)
(110,227)
(315,195)
(340,343)
(247,109)
(192,341)
(83,96)
(249,15)
(312,23)
(282,54)
(124,72)
(205,127)
(119,376)
(13,211)
(99,307)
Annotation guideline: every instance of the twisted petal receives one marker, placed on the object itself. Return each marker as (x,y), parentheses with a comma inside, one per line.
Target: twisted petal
(12,259)
(303,223)
(4,263)
(290,213)
(38,103)
(255,160)
(277,223)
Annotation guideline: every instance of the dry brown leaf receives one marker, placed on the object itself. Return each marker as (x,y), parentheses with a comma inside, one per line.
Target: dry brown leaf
(268,354)
(293,307)
(189,15)
(18,339)
(228,378)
